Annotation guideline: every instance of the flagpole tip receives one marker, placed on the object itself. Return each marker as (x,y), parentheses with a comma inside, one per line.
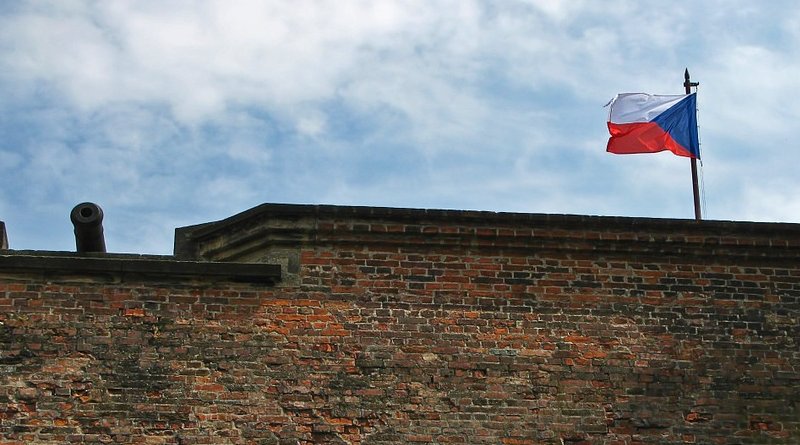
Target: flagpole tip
(687,83)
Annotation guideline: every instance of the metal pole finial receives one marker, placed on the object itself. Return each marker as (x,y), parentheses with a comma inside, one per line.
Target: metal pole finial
(687,84)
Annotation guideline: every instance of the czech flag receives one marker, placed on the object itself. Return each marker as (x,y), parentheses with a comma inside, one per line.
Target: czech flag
(648,123)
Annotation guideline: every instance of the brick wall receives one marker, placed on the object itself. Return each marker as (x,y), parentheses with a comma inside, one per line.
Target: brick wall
(396,326)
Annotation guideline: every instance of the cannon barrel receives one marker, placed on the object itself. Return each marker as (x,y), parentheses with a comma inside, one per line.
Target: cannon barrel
(87,218)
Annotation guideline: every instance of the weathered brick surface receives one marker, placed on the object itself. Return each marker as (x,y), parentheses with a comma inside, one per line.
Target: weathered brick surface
(430,331)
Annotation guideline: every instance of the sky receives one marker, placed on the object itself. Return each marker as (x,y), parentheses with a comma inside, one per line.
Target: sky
(175,113)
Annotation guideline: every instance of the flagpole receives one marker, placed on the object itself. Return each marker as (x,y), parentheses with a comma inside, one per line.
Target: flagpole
(695,187)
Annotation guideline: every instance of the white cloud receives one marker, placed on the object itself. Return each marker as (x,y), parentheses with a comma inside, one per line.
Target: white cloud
(749,84)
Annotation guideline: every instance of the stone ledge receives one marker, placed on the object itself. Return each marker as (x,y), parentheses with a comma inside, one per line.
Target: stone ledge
(142,267)
(270,226)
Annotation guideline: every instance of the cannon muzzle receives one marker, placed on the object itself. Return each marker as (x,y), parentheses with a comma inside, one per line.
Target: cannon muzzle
(87,218)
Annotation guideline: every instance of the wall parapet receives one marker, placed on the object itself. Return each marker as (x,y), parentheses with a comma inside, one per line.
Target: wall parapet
(271,225)
(123,267)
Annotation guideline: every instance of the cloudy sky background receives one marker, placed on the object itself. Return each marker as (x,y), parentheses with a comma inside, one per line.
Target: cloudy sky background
(177,113)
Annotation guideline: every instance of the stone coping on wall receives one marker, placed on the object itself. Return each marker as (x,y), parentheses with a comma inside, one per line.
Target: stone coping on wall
(269,226)
(126,267)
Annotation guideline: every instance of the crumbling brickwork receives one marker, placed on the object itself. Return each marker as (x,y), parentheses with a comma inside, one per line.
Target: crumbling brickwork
(395,327)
